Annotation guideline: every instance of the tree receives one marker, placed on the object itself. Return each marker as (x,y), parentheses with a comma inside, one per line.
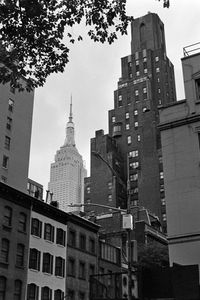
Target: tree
(32,32)
(153,255)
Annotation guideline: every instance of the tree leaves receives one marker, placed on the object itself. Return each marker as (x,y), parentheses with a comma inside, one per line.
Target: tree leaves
(32,32)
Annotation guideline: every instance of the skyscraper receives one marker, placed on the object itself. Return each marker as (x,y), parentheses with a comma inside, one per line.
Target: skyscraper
(147,81)
(67,172)
(16,109)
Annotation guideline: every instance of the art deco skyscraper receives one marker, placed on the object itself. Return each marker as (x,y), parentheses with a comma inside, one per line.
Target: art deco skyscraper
(133,147)
(67,172)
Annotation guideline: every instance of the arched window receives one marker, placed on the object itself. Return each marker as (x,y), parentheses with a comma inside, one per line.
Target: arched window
(142,32)
(34,259)
(2,287)
(32,292)
(36,227)
(4,250)
(58,295)
(46,293)
(18,290)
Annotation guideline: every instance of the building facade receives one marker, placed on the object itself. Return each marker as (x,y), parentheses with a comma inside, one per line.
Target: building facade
(35,189)
(16,110)
(180,134)
(147,81)
(67,172)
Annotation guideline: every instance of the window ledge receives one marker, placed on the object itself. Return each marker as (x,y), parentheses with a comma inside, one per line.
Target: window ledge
(50,242)
(4,264)
(59,277)
(34,270)
(19,267)
(60,245)
(24,232)
(7,227)
(36,236)
(48,274)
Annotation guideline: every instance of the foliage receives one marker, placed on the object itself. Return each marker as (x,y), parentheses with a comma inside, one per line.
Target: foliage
(153,255)
(32,32)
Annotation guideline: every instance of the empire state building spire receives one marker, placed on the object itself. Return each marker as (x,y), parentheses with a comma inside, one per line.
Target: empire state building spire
(69,140)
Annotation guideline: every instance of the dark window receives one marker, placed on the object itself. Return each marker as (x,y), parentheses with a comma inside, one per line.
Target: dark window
(60,267)
(60,237)
(47,263)
(10,104)
(9,123)
(18,290)
(12,89)
(20,255)
(92,245)
(71,295)
(81,270)
(82,241)
(91,269)
(58,295)
(72,238)
(5,162)
(4,250)
(2,287)
(32,292)
(71,267)
(197,83)
(81,296)
(7,142)
(46,293)
(34,259)
(49,232)
(36,227)
(22,222)
(7,219)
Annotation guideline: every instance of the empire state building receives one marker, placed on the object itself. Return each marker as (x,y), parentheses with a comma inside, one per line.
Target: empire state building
(67,172)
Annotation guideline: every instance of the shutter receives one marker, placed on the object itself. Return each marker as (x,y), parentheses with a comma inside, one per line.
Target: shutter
(51,261)
(40,229)
(38,260)
(50,294)
(52,234)
(37,293)
(63,267)
(56,273)
(45,225)
(32,220)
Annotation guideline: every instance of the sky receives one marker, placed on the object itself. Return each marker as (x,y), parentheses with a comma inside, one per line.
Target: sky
(91,77)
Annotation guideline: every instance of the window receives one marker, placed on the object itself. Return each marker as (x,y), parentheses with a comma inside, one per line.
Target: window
(197,83)
(81,296)
(138,73)
(5,162)
(32,292)
(46,293)
(71,295)
(109,198)
(162,189)
(47,266)
(71,267)
(34,259)
(164,217)
(160,102)
(144,109)
(60,237)
(136,55)
(145,70)
(129,139)
(127,115)
(60,267)
(36,227)
(144,90)
(134,165)
(91,269)
(110,185)
(144,59)
(135,124)
(127,126)
(18,290)
(3,179)
(136,92)
(159,91)
(2,288)
(163,202)
(135,112)
(7,142)
(158,79)
(82,270)
(113,119)
(92,245)
(133,153)
(49,232)
(135,190)
(156,58)
(161,175)
(88,190)
(20,255)
(10,104)
(7,219)
(157,70)
(9,123)
(4,250)
(58,295)
(120,100)
(138,138)
(72,238)
(134,177)
(22,222)
(12,89)
(82,241)
(144,52)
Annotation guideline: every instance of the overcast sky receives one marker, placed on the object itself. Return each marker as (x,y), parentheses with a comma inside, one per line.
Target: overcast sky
(91,77)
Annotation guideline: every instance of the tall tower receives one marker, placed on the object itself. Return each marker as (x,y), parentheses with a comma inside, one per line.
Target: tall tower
(147,81)
(16,110)
(67,171)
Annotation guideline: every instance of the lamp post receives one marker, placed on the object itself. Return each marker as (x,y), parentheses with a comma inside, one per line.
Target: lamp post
(128,218)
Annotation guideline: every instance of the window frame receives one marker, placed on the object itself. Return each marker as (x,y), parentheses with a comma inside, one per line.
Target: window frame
(7,218)
(47,263)
(5,249)
(36,227)
(18,290)
(60,236)
(22,222)
(32,287)
(20,251)
(34,259)
(3,284)
(49,232)
(59,266)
